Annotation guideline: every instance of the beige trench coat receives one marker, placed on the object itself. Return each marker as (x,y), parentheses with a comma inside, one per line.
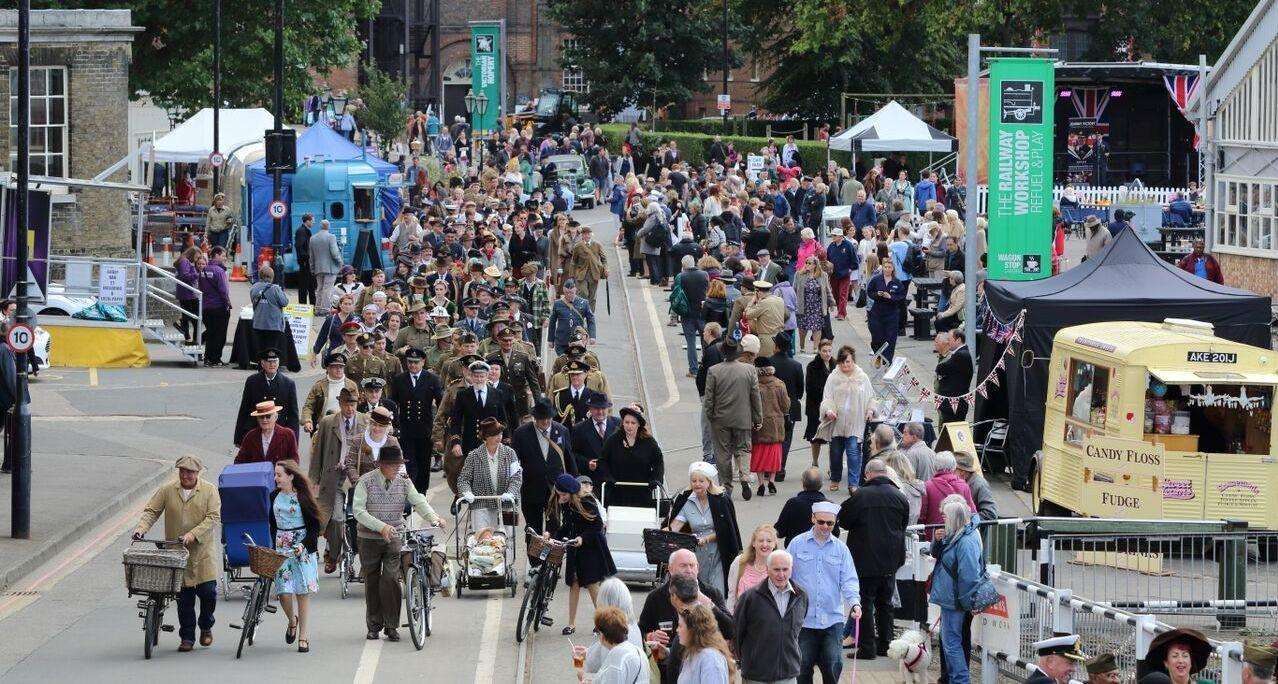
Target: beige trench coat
(200,516)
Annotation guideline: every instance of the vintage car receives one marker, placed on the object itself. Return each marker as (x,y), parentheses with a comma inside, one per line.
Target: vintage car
(572,174)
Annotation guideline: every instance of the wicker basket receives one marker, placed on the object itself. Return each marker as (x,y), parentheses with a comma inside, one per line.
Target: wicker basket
(158,571)
(265,562)
(535,546)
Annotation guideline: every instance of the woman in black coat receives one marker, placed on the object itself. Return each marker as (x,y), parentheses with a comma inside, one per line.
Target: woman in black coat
(631,455)
(575,519)
(522,247)
(818,371)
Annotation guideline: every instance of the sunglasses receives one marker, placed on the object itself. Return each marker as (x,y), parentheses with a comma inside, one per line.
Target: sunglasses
(824,523)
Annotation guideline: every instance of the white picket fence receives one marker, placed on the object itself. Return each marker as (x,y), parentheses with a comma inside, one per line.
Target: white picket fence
(1116,194)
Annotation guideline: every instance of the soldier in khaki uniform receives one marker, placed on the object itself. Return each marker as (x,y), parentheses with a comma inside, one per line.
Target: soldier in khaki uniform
(589,265)
(192,510)
(576,352)
(499,323)
(519,370)
(467,345)
(595,380)
(391,365)
(366,363)
(417,334)
(440,349)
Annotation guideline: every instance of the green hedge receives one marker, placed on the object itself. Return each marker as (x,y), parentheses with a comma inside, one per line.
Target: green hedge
(756,128)
(695,146)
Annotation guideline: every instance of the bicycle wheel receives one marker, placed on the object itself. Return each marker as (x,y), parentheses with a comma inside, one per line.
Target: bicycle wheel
(148,626)
(249,622)
(547,594)
(343,576)
(415,605)
(158,623)
(428,596)
(528,612)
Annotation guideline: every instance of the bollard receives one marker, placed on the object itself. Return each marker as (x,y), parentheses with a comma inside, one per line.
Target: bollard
(1231,561)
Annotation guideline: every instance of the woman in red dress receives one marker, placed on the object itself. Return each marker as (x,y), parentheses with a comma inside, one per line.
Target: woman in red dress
(765,454)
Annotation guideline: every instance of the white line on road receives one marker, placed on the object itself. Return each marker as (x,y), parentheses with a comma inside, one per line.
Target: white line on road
(368,658)
(488,640)
(654,320)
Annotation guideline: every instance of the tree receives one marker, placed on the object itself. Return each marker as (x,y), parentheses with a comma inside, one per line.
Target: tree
(173,56)
(384,110)
(641,52)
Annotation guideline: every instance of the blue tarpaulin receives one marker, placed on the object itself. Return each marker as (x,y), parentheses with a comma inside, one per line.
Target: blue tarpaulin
(316,141)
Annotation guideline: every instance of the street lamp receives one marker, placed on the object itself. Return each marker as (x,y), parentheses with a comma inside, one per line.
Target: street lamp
(477,105)
(335,104)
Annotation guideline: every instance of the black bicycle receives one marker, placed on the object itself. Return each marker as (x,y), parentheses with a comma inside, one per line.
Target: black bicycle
(538,595)
(264,562)
(419,593)
(158,576)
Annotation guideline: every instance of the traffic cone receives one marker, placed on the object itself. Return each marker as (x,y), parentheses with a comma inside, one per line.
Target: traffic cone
(150,249)
(238,274)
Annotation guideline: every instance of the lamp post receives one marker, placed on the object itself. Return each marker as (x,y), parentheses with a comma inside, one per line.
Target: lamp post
(477,106)
(19,432)
(217,89)
(277,230)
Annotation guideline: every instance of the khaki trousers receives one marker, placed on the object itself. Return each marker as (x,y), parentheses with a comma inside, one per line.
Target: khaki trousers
(381,561)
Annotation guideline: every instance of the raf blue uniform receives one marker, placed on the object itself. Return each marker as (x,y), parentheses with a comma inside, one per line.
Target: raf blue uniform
(565,318)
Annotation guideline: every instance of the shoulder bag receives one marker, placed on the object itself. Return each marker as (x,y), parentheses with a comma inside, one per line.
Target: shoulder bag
(982,595)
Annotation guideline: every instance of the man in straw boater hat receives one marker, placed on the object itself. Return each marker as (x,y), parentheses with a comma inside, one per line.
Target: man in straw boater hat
(378,507)
(1057,658)
(192,510)
(269,441)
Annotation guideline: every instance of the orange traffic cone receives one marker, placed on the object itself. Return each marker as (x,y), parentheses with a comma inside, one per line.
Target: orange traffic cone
(149,247)
(238,274)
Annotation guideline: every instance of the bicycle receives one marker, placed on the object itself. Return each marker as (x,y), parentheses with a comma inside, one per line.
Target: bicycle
(538,595)
(264,562)
(348,572)
(158,575)
(419,594)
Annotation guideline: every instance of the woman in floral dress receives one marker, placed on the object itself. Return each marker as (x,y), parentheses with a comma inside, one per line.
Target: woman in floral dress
(295,528)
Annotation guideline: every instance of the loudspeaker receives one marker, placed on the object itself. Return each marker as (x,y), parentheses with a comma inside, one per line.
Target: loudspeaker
(281,151)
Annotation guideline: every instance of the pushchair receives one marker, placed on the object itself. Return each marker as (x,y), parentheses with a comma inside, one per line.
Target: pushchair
(486,555)
(246,507)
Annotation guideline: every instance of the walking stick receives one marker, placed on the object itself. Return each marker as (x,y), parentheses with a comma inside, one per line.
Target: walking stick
(608,296)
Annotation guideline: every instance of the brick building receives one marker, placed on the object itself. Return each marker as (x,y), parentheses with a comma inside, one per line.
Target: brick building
(79,118)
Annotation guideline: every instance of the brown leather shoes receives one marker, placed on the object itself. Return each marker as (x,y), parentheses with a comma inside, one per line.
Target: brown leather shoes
(186,646)
(206,637)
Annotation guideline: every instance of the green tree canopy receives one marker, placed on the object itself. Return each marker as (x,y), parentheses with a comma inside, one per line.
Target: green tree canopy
(384,110)
(173,57)
(642,51)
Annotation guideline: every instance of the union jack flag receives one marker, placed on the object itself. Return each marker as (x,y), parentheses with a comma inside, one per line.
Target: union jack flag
(1090,103)
(1182,89)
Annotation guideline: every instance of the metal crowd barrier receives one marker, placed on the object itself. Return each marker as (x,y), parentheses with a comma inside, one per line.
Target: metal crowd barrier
(1211,575)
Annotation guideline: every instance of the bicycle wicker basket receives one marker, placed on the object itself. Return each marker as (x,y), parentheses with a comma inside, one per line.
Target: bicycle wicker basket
(536,544)
(158,571)
(265,562)
(659,544)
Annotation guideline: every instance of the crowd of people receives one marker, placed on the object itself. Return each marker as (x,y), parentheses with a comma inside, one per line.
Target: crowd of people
(439,365)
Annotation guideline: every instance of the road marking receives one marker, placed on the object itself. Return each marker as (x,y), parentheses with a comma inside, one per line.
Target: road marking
(111,419)
(86,552)
(93,376)
(368,659)
(488,641)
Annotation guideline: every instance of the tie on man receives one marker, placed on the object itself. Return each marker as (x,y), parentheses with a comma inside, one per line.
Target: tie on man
(599,427)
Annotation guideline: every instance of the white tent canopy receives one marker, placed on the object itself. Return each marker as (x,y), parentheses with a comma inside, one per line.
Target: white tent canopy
(893,129)
(192,140)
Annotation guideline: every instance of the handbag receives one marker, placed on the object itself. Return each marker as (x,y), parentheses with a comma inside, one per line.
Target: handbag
(860,298)
(982,595)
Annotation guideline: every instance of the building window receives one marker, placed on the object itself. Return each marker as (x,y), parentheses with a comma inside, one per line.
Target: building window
(1245,212)
(48,121)
(1087,401)
(574,79)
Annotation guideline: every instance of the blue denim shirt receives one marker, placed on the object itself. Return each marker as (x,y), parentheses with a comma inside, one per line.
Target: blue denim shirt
(826,572)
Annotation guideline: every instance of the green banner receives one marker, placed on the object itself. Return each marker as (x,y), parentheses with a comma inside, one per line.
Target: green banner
(486,72)
(1019,206)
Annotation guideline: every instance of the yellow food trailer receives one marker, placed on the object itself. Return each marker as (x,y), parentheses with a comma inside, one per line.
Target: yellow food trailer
(1158,420)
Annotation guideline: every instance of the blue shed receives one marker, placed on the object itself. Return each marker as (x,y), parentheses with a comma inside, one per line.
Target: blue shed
(335,180)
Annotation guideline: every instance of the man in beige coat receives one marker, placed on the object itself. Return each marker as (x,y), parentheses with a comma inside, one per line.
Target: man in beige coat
(734,410)
(192,510)
(589,265)
(321,400)
(327,446)
(766,313)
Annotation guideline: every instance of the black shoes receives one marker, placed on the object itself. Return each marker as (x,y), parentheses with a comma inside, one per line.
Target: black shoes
(760,491)
(745,491)
(772,489)
(392,634)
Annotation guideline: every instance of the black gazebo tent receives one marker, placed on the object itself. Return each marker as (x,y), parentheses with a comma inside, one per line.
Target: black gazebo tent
(1125,282)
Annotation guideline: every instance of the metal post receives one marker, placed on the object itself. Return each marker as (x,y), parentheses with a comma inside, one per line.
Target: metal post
(1231,573)
(972,259)
(1063,615)
(277,232)
(1206,155)
(21,423)
(724,112)
(217,88)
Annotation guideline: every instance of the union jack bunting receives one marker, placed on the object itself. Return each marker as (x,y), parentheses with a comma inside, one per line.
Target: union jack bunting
(1181,88)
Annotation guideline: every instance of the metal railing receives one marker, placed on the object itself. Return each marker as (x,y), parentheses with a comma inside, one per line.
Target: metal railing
(1112,194)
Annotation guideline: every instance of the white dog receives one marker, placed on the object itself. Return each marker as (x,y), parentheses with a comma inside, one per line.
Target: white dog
(913,650)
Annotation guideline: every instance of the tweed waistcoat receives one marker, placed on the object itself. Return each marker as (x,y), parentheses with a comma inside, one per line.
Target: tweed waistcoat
(384,503)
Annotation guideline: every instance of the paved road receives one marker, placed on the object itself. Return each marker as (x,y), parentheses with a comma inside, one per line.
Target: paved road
(71,619)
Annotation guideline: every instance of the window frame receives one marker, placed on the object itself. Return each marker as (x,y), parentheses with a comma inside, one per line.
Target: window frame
(571,78)
(47,99)
(1074,425)
(1245,218)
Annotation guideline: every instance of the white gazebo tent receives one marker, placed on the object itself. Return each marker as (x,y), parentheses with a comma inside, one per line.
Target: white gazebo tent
(192,141)
(893,129)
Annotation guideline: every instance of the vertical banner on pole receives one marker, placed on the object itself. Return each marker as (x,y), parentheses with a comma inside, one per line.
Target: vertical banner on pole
(1020,199)
(39,216)
(486,71)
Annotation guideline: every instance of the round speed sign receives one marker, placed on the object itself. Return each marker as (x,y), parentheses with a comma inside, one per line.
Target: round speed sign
(21,338)
(216,159)
(278,209)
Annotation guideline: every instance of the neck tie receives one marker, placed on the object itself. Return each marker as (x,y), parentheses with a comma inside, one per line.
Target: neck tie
(414,378)
(348,425)
(600,427)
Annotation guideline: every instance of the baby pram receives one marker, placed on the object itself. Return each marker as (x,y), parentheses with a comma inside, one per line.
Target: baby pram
(246,507)
(486,555)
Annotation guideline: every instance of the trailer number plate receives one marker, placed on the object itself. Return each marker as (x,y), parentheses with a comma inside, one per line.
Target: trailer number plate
(1211,357)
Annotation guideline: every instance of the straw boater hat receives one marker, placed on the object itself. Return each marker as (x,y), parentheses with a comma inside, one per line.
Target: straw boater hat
(265,408)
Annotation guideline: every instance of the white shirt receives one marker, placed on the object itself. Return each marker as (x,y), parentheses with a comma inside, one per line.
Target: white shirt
(492,466)
(782,596)
(330,397)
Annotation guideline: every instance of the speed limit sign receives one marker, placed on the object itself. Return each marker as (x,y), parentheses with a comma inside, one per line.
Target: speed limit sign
(21,338)
(278,209)
(216,159)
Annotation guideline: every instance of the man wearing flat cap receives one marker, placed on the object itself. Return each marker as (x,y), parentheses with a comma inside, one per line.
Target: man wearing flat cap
(192,510)
(1258,663)
(1103,669)
(1057,657)
(219,221)
(268,383)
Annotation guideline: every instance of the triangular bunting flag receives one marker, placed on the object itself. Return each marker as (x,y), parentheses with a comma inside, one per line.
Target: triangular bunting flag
(994,379)
(980,389)
(954,402)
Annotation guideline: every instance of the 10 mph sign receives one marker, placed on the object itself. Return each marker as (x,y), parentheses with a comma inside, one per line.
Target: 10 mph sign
(278,209)
(21,338)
